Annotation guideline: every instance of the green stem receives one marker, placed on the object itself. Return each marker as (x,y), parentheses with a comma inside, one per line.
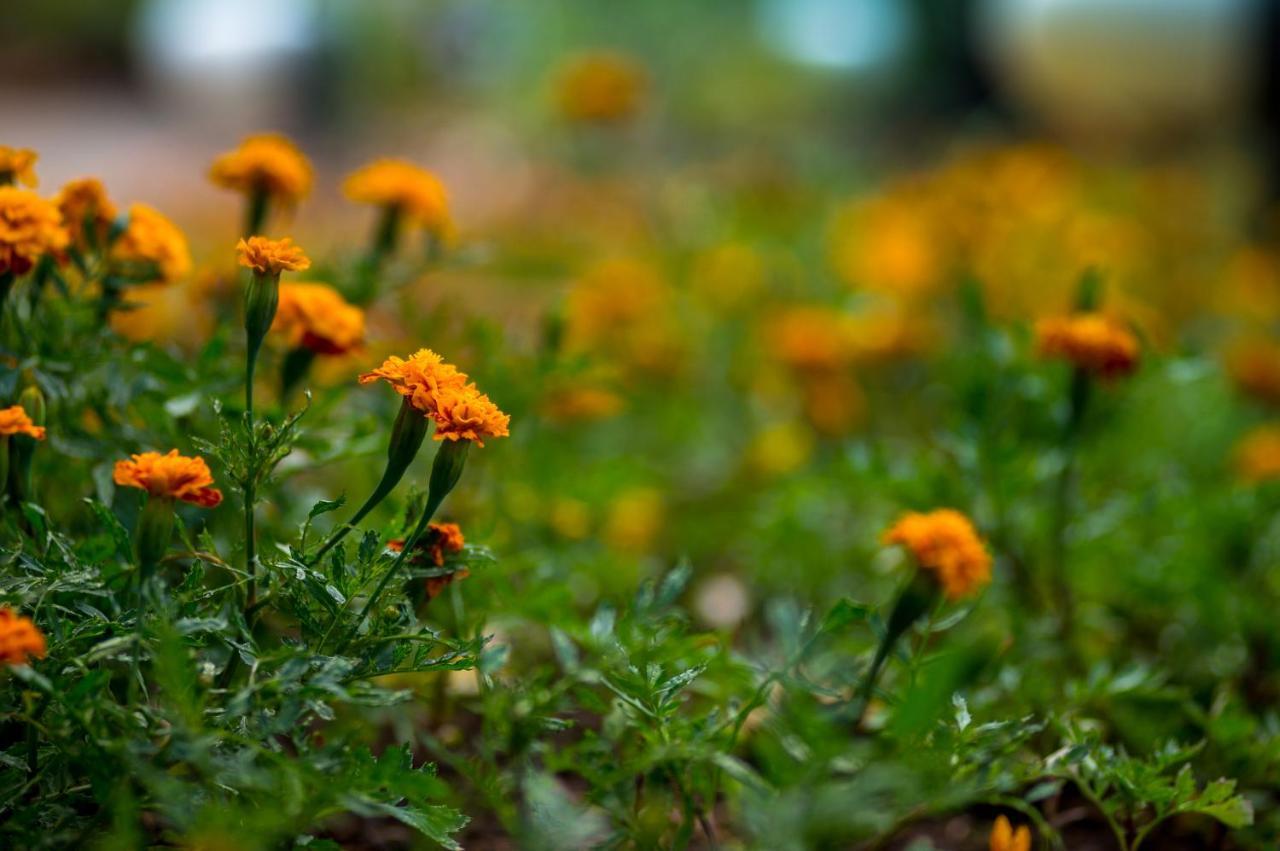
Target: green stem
(256,212)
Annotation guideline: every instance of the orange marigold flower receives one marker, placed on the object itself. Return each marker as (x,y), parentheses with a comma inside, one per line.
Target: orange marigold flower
(14,420)
(400,183)
(468,414)
(1254,367)
(18,165)
(421,379)
(266,162)
(271,256)
(317,317)
(440,540)
(945,543)
(1095,342)
(170,476)
(20,638)
(811,338)
(581,403)
(1257,455)
(1005,838)
(84,204)
(601,87)
(30,228)
(153,241)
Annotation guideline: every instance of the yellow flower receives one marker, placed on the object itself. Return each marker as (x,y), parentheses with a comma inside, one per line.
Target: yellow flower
(1254,367)
(602,87)
(635,519)
(266,162)
(271,256)
(18,165)
(1257,455)
(468,414)
(317,317)
(1005,838)
(14,420)
(401,184)
(421,379)
(888,244)
(944,543)
(30,228)
(170,476)
(729,276)
(1094,342)
(153,242)
(84,206)
(620,307)
(20,638)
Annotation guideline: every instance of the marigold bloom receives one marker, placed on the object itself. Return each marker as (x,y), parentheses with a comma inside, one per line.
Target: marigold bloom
(1094,342)
(440,540)
(18,165)
(581,403)
(170,476)
(420,379)
(468,414)
(1257,455)
(271,256)
(399,183)
(84,204)
(20,638)
(152,240)
(317,317)
(945,543)
(14,420)
(266,162)
(602,87)
(30,228)
(811,338)
(1254,367)
(1005,838)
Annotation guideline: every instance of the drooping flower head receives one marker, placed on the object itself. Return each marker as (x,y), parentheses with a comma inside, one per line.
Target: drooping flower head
(440,391)
(317,317)
(170,476)
(1257,455)
(271,256)
(944,543)
(416,192)
(267,162)
(30,228)
(20,638)
(602,87)
(85,207)
(1099,344)
(154,245)
(1005,838)
(18,165)
(468,414)
(14,420)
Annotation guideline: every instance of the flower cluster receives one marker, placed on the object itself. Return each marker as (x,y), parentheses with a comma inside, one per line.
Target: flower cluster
(316,317)
(945,543)
(14,420)
(20,639)
(30,228)
(18,165)
(400,184)
(440,391)
(150,240)
(1094,342)
(271,256)
(267,162)
(170,476)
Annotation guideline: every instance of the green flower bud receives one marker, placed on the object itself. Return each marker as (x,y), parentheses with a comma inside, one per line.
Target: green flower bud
(153,533)
(23,447)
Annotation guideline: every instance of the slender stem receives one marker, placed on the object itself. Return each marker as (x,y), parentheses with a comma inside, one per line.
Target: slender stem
(250,548)
(256,212)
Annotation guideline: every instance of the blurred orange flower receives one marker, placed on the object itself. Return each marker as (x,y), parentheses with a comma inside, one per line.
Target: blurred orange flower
(84,206)
(601,87)
(154,242)
(1095,342)
(1254,366)
(18,165)
(20,638)
(316,317)
(440,540)
(271,256)
(400,183)
(945,543)
(1005,838)
(30,228)
(14,420)
(266,162)
(170,476)
(1257,455)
